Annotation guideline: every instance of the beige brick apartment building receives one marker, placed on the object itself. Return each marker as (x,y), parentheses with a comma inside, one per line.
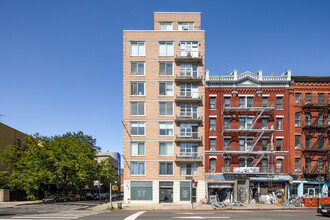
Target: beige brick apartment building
(163,91)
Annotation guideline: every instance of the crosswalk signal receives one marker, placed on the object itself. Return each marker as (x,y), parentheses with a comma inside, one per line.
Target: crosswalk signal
(194,183)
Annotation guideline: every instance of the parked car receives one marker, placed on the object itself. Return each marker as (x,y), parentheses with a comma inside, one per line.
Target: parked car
(86,196)
(73,198)
(324,209)
(53,199)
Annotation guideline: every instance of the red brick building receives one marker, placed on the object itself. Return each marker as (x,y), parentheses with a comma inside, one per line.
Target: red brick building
(309,135)
(246,135)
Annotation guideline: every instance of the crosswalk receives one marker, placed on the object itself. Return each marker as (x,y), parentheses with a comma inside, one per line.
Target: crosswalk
(49,216)
(54,206)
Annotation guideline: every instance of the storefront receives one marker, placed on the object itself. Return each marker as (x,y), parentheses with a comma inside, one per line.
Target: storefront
(221,186)
(300,188)
(165,192)
(141,190)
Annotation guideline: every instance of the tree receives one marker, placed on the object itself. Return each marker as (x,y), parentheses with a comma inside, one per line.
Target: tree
(106,173)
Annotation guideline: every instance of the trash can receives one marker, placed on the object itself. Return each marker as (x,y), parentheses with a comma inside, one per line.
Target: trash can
(119,205)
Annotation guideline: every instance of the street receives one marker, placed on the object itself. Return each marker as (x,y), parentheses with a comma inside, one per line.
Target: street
(80,210)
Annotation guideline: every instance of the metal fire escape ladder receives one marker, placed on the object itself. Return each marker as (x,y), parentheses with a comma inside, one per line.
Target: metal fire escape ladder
(261,133)
(255,143)
(257,159)
(315,123)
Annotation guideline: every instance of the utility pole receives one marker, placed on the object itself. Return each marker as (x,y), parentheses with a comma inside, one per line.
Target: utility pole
(110,195)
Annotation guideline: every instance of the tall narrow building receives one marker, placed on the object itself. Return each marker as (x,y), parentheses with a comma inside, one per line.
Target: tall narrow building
(163,90)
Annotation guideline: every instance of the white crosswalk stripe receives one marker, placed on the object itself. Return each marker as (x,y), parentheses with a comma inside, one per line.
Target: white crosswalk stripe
(52,206)
(57,215)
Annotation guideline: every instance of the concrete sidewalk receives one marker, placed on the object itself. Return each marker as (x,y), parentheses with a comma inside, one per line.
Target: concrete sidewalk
(174,206)
(12,204)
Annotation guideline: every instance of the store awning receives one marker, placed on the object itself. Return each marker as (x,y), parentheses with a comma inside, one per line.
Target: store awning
(220,185)
(278,179)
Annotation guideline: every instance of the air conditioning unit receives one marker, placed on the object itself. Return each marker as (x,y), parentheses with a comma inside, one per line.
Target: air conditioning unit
(212,129)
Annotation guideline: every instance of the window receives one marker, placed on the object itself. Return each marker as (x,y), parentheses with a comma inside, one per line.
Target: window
(165,108)
(137,128)
(250,162)
(226,144)
(279,144)
(279,165)
(166,69)
(241,162)
(165,26)
(186,26)
(227,101)
(320,142)
(320,165)
(264,166)
(297,168)
(297,142)
(320,119)
(137,69)
(137,108)
(308,118)
(212,124)
(189,70)
(297,120)
(212,103)
(165,168)
(308,139)
(188,169)
(279,124)
(320,98)
(246,101)
(166,49)
(212,143)
(308,165)
(264,101)
(137,88)
(245,143)
(264,143)
(137,49)
(212,165)
(227,123)
(279,103)
(189,49)
(137,168)
(245,122)
(165,148)
(297,98)
(227,165)
(166,128)
(137,149)
(189,111)
(264,123)
(166,88)
(308,98)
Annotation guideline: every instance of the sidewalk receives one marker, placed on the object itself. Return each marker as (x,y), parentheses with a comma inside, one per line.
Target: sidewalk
(12,204)
(174,206)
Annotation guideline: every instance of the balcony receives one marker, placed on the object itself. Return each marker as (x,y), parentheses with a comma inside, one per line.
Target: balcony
(189,117)
(256,128)
(188,157)
(253,106)
(188,76)
(188,137)
(188,96)
(188,56)
(313,103)
(189,27)
(246,149)
(316,125)
(245,170)
(316,170)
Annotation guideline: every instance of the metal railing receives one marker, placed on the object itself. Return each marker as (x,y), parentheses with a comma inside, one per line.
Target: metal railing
(243,127)
(188,155)
(188,135)
(188,54)
(188,28)
(237,104)
(188,74)
(246,148)
(188,115)
(188,94)
(245,170)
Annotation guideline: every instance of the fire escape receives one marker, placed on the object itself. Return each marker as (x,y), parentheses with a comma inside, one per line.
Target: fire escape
(317,128)
(251,125)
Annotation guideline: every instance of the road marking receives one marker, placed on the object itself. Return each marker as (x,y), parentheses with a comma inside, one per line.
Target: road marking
(134,216)
(200,217)
(195,213)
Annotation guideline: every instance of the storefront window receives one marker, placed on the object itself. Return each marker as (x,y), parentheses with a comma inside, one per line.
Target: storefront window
(141,190)
(185,191)
(165,191)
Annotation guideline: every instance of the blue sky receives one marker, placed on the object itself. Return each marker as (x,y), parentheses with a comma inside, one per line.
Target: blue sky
(61,60)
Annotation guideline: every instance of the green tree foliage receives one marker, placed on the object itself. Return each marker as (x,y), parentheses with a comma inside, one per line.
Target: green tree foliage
(106,173)
(67,160)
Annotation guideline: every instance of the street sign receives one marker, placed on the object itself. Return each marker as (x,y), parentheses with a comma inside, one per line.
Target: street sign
(114,187)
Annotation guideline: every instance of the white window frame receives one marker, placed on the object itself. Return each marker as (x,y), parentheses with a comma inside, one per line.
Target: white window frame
(165,26)
(167,92)
(139,124)
(167,123)
(138,162)
(137,88)
(166,114)
(186,26)
(137,69)
(137,145)
(137,103)
(168,48)
(169,145)
(140,48)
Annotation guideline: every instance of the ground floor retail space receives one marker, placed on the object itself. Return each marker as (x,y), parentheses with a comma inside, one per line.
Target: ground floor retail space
(179,191)
(231,188)
(306,188)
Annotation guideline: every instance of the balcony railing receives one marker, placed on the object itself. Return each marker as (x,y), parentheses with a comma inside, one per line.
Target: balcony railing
(188,156)
(188,55)
(188,137)
(188,75)
(315,124)
(311,102)
(236,105)
(245,170)
(188,116)
(188,96)
(188,28)
(257,127)
(246,148)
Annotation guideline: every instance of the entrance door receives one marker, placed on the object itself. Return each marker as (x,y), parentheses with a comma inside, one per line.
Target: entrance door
(165,192)
(311,192)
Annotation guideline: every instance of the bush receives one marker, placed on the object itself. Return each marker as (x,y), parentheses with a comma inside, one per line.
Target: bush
(30,198)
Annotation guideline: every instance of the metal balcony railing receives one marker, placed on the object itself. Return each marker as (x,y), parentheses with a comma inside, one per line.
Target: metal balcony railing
(188,156)
(188,28)
(189,115)
(245,170)
(257,127)
(188,95)
(250,105)
(188,74)
(188,136)
(189,54)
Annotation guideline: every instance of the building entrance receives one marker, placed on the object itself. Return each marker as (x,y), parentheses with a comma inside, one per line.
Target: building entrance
(166,192)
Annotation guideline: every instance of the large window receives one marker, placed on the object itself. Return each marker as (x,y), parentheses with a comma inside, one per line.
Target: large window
(137,49)
(137,149)
(166,128)
(137,88)
(264,144)
(279,124)
(308,139)
(308,118)
(141,190)
(165,148)
(279,165)
(227,101)
(297,142)
(189,48)
(165,108)
(166,69)
(138,168)
(212,124)
(227,123)
(226,144)
(297,167)
(297,120)
(246,101)
(279,103)
(212,103)
(188,169)
(166,49)
(321,98)
(165,26)
(212,143)
(186,26)
(166,88)
(264,101)
(264,123)
(279,144)
(137,108)
(165,168)
(297,98)
(137,128)
(308,98)
(137,69)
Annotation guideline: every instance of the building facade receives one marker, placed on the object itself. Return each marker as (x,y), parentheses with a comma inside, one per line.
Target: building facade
(309,135)
(163,93)
(246,138)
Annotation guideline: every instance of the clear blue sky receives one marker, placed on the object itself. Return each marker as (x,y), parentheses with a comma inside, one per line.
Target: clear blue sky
(61,60)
